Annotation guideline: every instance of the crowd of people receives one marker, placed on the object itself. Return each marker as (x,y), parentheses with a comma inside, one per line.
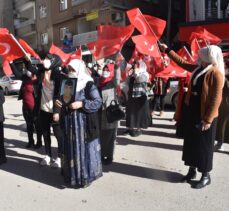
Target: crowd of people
(76,110)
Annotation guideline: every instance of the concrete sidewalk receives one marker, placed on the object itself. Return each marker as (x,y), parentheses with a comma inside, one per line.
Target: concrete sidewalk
(144,176)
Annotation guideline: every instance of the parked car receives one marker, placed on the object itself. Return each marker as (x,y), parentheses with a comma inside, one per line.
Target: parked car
(10,84)
(171,97)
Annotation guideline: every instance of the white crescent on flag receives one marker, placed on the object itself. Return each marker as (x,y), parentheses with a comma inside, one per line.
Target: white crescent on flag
(152,48)
(6,47)
(146,43)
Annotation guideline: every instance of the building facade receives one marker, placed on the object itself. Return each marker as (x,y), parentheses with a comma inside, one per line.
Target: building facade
(74,22)
(210,14)
(25,21)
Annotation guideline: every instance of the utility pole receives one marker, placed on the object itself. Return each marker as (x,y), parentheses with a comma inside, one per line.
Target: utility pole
(169,22)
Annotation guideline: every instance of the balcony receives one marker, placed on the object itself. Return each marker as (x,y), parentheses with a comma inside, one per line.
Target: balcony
(20,3)
(22,24)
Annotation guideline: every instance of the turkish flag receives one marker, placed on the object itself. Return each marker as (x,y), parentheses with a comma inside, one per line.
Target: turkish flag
(107,32)
(104,48)
(64,56)
(183,52)
(6,68)
(76,55)
(146,45)
(10,49)
(195,48)
(202,34)
(28,49)
(4,31)
(146,24)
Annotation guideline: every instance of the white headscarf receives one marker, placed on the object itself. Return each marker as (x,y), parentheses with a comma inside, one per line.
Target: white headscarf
(81,73)
(212,54)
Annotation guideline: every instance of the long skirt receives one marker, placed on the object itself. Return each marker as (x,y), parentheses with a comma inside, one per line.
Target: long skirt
(108,138)
(82,160)
(137,112)
(198,145)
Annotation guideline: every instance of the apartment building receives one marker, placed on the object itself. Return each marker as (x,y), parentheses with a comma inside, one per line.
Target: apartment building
(6,14)
(76,20)
(211,14)
(25,21)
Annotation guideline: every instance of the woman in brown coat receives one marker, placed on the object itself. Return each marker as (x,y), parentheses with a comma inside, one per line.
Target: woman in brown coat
(222,133)
(203,100)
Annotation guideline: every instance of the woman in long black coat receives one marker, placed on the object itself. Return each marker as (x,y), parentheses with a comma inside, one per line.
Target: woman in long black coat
(2,149)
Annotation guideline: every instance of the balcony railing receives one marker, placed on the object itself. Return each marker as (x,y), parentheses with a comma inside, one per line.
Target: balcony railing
(18,24)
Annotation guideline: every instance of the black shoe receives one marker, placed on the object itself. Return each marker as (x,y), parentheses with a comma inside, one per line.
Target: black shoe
(126,132)
(38,145)
(107,160)
(204,181)
(3,160)
(135,133)
(190,176)
(29,145)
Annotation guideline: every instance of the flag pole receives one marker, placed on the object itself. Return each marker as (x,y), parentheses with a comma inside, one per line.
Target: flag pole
(188,53)
(154,35)
(19,45)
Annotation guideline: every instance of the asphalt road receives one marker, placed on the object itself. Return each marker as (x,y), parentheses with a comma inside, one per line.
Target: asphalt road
(144,176)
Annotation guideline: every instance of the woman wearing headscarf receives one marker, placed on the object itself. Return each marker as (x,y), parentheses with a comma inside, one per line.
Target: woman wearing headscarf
(108,131)
(203,100)
(137,110)
(79,123)
(222,133)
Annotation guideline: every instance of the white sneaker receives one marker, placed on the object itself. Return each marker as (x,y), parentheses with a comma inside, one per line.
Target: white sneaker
(56,163)
(219,147)
(46,161)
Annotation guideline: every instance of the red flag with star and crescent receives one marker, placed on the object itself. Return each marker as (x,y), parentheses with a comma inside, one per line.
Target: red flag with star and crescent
(28,49)
(10,49)
(64,56)
(110,40)
(146,45)
(146,24)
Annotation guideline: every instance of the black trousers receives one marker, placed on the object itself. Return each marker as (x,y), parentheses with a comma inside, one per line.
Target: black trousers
(2,148)
(158,99)
(46,122)
(30,123)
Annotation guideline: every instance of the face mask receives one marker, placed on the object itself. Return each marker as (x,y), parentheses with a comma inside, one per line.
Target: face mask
(47,64)
(72,75)
(106,74)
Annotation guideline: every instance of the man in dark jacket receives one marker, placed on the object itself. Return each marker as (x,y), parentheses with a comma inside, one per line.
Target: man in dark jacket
(2,149)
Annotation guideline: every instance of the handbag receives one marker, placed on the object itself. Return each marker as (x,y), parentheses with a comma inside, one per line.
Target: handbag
(114,112)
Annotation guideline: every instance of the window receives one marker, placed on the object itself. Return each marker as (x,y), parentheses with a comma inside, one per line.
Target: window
(63,32)
(44,39)
(43,11)
(63,5)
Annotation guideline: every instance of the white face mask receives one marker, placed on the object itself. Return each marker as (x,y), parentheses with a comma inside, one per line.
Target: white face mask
(106,74)
(47,64)
(72,75)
